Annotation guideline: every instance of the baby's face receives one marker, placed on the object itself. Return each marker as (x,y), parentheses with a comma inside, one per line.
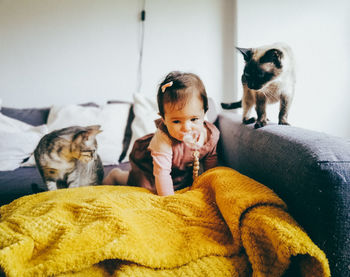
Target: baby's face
(180,120)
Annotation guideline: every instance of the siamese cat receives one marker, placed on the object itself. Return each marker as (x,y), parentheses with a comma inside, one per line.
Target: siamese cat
(268,77)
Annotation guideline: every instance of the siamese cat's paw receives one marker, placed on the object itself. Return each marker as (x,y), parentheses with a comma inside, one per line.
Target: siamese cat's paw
(283,123)
(259,124)
(249,121)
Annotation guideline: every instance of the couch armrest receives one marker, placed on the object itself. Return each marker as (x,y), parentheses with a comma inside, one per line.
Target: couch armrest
(309,170)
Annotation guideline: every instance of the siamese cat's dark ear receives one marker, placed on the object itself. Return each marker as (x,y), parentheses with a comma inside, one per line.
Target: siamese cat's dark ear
(273,55)
(246,52)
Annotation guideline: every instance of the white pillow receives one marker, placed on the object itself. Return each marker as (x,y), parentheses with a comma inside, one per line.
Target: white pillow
(111,117)
(17,141)
(146,112)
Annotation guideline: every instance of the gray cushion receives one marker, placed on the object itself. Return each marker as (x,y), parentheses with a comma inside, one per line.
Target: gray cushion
(34,116)
(31,116)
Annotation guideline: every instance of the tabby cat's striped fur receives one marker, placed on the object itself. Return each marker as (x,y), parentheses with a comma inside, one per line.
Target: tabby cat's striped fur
(68,158)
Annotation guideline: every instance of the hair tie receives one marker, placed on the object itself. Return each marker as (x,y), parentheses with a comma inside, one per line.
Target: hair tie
(165,86)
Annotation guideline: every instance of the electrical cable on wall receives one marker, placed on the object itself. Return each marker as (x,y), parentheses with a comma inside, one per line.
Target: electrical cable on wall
(141,41)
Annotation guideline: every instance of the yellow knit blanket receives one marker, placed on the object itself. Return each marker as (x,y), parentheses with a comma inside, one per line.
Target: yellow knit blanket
(226,224)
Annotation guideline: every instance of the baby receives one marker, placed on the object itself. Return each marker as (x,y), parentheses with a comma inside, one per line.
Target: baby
(163,162)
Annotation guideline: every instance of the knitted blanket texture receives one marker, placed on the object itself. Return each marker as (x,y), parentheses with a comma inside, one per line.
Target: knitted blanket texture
(226,224)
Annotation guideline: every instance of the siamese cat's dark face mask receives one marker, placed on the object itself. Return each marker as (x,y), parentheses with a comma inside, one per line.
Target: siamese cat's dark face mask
(254,74)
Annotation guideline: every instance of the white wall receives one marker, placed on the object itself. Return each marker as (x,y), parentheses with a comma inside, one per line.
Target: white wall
(64,51)
(319,33)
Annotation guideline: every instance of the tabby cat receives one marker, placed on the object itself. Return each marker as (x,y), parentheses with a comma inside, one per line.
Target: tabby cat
(268,77)
(68,158)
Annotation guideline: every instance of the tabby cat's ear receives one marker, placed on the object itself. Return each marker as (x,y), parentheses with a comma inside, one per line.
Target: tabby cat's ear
(88,134)
(246,52)
(68,137)
(92,131)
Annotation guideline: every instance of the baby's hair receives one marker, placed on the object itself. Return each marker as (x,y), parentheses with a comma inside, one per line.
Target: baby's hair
(174,89)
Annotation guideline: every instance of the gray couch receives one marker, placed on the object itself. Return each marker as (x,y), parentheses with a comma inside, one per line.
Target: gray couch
(309,170)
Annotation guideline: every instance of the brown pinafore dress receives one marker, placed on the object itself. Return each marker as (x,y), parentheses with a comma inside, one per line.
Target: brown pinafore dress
(141,161)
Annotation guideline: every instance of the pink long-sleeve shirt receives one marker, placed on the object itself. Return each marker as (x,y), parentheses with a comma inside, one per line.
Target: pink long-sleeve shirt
(163,164)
